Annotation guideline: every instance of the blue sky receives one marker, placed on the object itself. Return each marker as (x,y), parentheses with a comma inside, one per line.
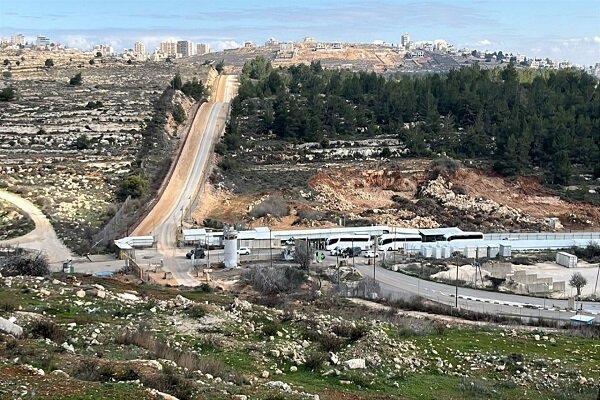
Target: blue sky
(565,29)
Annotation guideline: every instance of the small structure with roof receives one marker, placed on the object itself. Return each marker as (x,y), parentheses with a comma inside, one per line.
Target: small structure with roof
(582,319)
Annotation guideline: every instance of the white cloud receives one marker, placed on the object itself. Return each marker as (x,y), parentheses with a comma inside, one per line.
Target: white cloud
(80,42)
(224,44)
(484,42)
(596,39)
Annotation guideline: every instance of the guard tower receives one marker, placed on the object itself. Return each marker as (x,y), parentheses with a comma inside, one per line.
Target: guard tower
(230,239)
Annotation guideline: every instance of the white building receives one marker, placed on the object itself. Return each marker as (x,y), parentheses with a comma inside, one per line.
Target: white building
(272,42)
(169,48)
(42,42)
(185,48)
(139,48)
(202,48)
(104,49)
(18,39)
(405,41)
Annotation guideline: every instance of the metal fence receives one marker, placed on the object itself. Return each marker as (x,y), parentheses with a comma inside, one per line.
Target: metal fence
(543,236)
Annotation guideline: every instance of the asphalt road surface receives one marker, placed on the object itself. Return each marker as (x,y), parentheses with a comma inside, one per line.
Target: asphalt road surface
(43,238)
(402,285)
(188,176)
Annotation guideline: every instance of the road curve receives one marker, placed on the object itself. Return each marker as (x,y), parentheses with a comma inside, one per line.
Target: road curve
(189,173)
(402,285)
(43,238)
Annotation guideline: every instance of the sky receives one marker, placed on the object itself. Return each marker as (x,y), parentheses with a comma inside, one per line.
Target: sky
(558,29)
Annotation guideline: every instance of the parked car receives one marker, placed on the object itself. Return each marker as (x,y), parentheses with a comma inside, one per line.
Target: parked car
(335,252)
(198,253)
(370,254)
(243,251)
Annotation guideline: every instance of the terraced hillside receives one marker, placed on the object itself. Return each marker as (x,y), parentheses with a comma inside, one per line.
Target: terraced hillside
(68,147)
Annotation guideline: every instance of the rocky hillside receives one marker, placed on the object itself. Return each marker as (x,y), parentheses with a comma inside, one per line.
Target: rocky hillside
(87,337)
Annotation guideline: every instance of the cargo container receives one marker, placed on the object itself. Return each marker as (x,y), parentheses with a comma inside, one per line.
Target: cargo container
(566,259)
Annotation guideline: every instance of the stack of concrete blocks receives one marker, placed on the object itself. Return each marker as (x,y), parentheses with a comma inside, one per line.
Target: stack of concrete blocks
(497,269)
(540,286)
(559,286)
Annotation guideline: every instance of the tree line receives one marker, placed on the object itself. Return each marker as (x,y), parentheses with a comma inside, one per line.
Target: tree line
(519,121)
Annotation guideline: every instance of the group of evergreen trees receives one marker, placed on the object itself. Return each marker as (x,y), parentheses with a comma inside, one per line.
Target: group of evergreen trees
(516,119)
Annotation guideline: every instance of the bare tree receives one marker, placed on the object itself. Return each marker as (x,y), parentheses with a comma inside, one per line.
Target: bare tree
(577,281)
(367,286)
(303,254)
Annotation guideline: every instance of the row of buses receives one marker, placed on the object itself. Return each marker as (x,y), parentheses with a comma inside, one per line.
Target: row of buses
(405,240)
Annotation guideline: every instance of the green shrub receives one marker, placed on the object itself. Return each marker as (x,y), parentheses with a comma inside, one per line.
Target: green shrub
(178,113)
(7,94)
(134,186)
(77,80)
(83,142)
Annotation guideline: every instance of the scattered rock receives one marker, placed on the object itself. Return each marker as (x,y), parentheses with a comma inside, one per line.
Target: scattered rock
(279,385)
(355,363)
(11,328)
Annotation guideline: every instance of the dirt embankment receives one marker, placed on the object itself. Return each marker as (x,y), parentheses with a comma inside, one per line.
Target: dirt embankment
(529,196)
(400,193)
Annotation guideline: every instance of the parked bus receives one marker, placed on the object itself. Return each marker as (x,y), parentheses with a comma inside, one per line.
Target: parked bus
(389,242)
(463,237)
(344,241)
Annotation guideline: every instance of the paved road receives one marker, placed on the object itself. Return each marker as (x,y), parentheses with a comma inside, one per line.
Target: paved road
(190,172)
(43,237)
(396,283)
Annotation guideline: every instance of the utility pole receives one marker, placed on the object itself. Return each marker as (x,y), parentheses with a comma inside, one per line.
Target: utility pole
(456,292)
(596,288)
(271,247)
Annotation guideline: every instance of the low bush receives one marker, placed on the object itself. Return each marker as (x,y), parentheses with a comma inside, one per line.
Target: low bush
(197,311)
(315,360)
(33,264)
(270,329)
(352,332)
(273,206)
(46,329)
(272,280)
(8,304)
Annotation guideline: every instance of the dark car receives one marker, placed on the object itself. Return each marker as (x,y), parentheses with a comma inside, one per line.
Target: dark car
(198,253)
(352,252)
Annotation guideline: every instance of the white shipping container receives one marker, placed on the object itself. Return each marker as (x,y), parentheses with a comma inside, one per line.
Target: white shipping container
(426,251)
(505,251)
(566,259)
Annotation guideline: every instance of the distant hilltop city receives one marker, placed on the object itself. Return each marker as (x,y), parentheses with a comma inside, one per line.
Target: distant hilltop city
(172,49)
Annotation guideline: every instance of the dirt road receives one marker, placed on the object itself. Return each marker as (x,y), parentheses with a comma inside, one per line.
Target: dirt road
(189,174)
(43,237)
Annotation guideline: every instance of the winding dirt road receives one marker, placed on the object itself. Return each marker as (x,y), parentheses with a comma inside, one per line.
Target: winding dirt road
(189,174)
(43,238)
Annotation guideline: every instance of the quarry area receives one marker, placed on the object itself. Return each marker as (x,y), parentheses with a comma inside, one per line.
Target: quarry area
(113,339)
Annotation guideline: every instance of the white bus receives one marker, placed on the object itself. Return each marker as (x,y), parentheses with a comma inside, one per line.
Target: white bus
(390,241)
(344,241)
(463,237)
